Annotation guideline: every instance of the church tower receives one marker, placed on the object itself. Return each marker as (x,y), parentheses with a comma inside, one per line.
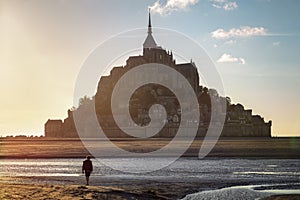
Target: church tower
(152,53)
(149,42)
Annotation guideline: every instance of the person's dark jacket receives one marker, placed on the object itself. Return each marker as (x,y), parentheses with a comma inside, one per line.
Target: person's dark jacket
(87,166)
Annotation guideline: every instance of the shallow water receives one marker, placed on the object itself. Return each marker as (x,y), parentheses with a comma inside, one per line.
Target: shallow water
(251,172)
(184,167)
(245,192)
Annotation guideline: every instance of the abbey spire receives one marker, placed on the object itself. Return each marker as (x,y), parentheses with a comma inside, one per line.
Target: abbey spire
(149,24)
(149,42)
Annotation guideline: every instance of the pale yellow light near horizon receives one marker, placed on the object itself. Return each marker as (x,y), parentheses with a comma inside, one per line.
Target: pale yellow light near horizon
(32,86)
(38,73)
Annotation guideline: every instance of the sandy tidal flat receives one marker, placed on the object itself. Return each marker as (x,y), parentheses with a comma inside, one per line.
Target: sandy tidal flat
(10,191)
(225,147)
(69,192)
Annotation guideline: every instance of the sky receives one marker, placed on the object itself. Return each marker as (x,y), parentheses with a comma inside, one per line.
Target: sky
(254,45)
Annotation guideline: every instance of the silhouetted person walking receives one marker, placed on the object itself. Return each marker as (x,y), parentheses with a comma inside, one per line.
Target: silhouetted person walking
(87,168)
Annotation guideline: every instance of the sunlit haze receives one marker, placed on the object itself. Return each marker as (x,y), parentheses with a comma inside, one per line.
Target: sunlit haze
(254,44)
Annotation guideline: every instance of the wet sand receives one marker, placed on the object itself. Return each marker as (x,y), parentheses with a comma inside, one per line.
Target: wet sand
(34,188)
(64,192)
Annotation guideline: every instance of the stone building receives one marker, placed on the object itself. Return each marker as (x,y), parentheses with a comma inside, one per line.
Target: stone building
(242,123)
(239,122)
(53,128)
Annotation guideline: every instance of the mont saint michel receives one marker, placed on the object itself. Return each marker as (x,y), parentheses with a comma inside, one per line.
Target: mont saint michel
(239,122)
(167,99)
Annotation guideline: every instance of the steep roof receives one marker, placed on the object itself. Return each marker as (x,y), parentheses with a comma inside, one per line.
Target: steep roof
(149,42)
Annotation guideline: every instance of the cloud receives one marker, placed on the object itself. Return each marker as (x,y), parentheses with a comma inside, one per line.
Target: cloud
(230,6)
(224,4)
(244,31)
(242,61)
(276,43)
(230,42)
(171,6)
(227,58)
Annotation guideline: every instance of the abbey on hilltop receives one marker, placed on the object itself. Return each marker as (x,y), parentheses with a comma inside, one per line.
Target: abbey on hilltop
(239,122)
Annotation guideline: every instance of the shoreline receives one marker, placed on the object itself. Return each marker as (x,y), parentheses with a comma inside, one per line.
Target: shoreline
(248,148)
